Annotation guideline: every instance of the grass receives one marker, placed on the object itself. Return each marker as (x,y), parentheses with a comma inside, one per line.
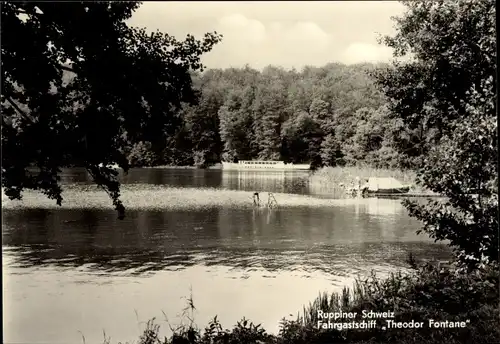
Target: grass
(329,178)
(152,197)
(428,292)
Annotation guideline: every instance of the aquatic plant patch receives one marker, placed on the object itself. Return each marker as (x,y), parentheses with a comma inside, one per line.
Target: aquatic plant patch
(151,197)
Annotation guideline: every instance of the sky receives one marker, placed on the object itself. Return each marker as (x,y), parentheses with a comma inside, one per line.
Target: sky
(281,33)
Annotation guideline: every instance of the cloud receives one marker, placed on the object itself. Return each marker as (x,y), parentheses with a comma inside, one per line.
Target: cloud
(365,52)
(289,34)
(240,28)
(248,40)
(307,34)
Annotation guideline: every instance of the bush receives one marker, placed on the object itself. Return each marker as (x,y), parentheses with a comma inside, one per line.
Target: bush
(141,155)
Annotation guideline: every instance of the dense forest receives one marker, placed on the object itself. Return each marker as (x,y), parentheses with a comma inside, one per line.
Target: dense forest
(327,116)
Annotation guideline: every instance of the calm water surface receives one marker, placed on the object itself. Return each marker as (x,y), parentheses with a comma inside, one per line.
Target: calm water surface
(68,272)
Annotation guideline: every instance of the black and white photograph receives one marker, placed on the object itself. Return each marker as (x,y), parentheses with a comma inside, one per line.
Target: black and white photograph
(249,172)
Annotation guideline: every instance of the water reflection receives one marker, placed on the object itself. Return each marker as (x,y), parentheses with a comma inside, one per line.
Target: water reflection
(157,176)
(316,239)
(296,182)
(266,181)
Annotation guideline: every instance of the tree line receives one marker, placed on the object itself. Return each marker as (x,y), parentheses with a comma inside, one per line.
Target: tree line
(333,115)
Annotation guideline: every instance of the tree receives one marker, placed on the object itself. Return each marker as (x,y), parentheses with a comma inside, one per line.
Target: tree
(141,155)
(297,133)
(449,84)
(269,113)
(178,149)
(79,85)
(331,154)
(235,123)
(373,139)
(203,124)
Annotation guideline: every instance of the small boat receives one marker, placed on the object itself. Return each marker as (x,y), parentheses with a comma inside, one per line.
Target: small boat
(263,165)
(385,186)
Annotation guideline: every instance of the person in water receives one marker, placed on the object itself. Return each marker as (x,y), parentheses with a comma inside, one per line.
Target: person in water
(256,199)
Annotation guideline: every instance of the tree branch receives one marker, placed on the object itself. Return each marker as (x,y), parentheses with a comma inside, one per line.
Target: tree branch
(18,109)
(68,69)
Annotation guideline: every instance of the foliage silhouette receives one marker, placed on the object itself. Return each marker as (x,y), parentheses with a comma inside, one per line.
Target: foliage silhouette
(449,89)
(79,86)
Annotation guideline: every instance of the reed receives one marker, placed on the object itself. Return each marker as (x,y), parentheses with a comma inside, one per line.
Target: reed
(329,178)
(336,175)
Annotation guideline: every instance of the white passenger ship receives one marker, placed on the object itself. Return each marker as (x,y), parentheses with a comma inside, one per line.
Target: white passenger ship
(263,165)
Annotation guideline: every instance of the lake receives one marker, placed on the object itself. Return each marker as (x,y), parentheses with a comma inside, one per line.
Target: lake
(77,269)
